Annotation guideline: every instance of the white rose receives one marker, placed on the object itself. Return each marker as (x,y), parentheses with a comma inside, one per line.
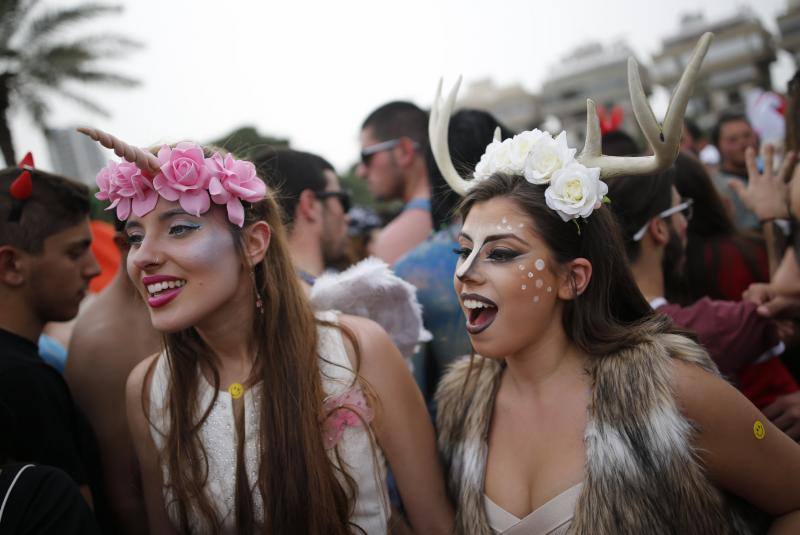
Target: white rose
(547,156)
(485,166)
(496,159)
(575,191)
(502,158)
(521,146)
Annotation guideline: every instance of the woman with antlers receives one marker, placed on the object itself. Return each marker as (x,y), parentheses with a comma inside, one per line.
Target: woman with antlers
(582,411)
(258,416)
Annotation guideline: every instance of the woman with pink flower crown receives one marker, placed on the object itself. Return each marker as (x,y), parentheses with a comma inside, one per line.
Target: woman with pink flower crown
(258,416)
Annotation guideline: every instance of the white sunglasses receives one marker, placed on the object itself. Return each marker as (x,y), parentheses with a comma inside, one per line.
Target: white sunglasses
(685,205)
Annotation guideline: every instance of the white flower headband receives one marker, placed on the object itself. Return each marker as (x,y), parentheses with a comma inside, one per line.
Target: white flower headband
(573,191)
(574,186)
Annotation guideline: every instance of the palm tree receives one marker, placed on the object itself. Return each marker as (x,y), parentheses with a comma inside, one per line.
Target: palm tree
(38,60)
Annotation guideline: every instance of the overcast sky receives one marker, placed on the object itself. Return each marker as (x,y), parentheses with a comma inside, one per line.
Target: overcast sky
(311,71)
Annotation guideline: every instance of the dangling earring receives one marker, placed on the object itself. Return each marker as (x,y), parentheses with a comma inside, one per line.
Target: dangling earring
(259,301)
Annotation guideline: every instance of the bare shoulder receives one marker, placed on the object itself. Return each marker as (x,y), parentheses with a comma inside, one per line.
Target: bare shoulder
(368,332)
(89,335)
(376,353)
(710,402)
(743,452)
(703,396)
(138,380)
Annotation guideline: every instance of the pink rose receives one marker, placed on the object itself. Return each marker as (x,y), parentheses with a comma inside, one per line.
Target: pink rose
(106,183)
(233,181)
(126,187)
(184,177)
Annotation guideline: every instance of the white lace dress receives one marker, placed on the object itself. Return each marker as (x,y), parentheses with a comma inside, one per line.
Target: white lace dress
(362,462)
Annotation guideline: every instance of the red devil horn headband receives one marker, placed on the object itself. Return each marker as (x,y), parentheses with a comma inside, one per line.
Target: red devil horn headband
(22,187)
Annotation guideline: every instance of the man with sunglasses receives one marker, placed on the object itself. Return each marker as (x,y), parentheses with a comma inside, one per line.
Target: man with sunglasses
(314,208)
(394,140)
(653,220)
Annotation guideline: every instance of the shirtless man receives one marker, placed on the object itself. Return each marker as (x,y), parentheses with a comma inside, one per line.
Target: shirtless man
(111,336)
(394,139)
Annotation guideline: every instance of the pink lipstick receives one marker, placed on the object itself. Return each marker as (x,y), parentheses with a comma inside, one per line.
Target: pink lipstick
(162,289)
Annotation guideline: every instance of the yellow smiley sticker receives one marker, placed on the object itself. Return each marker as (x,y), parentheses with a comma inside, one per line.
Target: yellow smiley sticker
(758,430)
(236,390)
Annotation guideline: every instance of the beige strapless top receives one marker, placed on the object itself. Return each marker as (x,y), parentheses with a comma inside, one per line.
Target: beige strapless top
(552,518)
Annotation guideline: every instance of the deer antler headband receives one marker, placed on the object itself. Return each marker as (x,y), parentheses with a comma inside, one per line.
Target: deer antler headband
(180,174)
(574,185)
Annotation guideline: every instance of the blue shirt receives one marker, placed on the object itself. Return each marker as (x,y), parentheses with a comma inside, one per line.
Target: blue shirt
(430,267)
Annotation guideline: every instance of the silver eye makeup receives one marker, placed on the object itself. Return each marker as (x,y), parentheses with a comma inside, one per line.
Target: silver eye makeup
(181,229)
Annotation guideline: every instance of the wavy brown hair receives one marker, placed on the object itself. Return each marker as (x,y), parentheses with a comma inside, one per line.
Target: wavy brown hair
(611,314)
(297,481)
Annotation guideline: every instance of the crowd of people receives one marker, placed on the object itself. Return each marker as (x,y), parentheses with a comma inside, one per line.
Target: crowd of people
(606,342)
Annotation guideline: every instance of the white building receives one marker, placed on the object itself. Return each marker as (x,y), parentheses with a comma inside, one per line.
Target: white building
(595,71)
(738,60)
(512,105)
(789,26)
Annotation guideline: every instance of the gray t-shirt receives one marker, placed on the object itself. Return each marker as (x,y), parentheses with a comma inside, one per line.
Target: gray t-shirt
(742,216)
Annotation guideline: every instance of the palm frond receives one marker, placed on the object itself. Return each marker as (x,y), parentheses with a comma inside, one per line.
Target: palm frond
(100,77)
(56,20)
(105,46)
(81,101)
(39,63)
(8,7)
(50,65)
(36,107)
(12,15)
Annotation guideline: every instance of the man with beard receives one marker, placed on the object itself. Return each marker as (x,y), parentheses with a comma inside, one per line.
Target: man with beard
(394,142)
(314,208)
(733,135)
(653,220)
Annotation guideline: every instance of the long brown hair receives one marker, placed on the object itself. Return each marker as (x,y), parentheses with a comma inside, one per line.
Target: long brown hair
(611,314)
(296,479)
(710,230)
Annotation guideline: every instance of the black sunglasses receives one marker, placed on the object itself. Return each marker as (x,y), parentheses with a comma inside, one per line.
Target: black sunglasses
(343,196)
(368,152)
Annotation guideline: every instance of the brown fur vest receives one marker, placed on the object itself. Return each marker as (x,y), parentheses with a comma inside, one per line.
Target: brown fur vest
(642,475)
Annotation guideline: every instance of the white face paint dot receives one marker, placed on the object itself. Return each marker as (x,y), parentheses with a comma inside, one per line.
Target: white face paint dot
(539,264)
(530,275)
(536,299)
(524,287)
(549,288)
(505,221)
(521,267)
(539,283)
(520,225)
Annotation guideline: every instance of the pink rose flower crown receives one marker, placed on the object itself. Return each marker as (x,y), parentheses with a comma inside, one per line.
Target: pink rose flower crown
(181,173)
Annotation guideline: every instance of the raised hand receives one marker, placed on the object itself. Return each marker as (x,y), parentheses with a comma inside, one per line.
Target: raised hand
(766,194)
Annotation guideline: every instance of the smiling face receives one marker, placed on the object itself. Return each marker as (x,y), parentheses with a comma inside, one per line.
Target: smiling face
(505,280)
(187,268)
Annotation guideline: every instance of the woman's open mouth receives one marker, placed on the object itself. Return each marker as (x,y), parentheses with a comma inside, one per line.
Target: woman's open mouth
(480,312)
(161,292)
